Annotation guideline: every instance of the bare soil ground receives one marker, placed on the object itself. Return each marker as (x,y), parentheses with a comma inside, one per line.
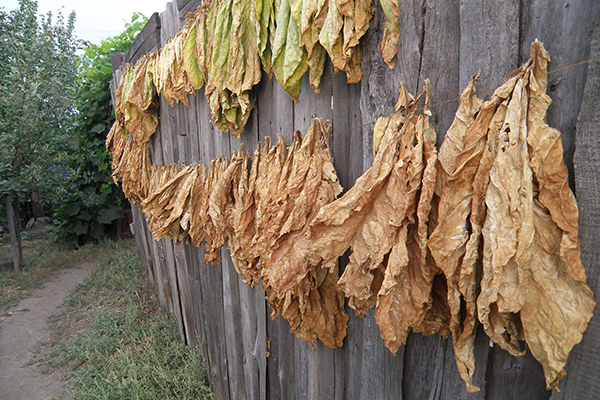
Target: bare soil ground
(22,328)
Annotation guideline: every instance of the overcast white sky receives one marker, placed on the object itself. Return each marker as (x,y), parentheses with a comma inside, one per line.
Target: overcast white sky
(96,20)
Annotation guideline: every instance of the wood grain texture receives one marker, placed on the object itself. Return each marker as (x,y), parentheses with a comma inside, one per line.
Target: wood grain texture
(232,316)
(440,59)
(147,40)
(379,84)
(489,41)
(515,378)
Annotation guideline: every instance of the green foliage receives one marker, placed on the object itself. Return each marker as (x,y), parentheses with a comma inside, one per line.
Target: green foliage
(116,343)
(94,203)
(37,86)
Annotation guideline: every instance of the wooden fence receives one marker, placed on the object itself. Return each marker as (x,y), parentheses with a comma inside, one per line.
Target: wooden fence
(248,355)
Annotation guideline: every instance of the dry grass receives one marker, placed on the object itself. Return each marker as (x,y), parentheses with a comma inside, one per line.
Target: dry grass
(15,286)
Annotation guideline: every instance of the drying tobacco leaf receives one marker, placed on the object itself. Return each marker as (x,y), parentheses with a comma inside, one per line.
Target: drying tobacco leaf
(167,201)
(138,102)
(405,294)
(169,74)
(265,20)
(242,220)
(201,228)
(533,283)
(303,290)
(460,159)
(346,22)
(314,308)
(232,40)
(364,218)
(308,182)
(391,33)
(289,53)
(312,17)
(191,59)
(223,202)
(130,165)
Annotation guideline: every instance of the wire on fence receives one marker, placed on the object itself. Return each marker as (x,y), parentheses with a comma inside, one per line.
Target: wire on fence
(458,98)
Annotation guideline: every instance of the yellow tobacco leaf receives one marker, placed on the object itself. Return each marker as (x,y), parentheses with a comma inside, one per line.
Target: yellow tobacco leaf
(391,33)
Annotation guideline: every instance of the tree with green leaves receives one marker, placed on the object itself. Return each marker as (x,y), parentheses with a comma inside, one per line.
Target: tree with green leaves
(93,203)
(38,80)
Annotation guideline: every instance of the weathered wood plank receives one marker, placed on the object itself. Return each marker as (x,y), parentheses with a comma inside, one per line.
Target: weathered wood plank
(169,254)
(212,295)
(351,362)
(186,6)
(185,293)
(381,374)
(139,235)
(233,327)
(565,29)
(164,288)
(198,333)
(515,378)
(454,387)
(348,155)
(440,59)
(253,336)
(489,41)
(583,369)
(147,40)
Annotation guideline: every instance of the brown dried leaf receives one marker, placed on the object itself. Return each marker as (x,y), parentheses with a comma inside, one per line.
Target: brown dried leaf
(533,285)
(460,159)
(404,297)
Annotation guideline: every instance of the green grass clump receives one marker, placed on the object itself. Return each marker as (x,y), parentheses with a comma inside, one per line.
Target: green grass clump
(114,342)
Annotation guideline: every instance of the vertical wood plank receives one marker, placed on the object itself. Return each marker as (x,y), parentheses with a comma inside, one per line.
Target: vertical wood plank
(183,284)
(252,300)
(198,332)
(453,385)
(440,59)
(140,240)
(381,375)
(232,315)
(379,84)
(212,293)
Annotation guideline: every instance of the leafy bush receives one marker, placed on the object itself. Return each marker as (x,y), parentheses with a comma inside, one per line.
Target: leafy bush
(91,208)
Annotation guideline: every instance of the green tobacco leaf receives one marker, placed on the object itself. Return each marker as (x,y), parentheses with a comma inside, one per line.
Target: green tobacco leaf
(190,60)
(289,53)
(389,42)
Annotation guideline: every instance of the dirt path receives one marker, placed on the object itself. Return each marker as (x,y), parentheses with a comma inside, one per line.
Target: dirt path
(23,329)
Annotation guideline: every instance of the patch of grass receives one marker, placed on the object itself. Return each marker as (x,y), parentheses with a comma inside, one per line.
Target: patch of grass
(112,340)
(15,286)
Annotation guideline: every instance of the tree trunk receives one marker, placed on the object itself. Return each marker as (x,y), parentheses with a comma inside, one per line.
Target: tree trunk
(15,233)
